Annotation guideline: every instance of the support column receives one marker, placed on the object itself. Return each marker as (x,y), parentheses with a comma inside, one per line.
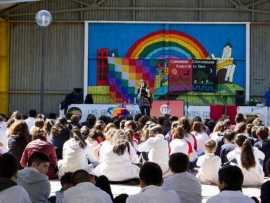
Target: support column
(4,66)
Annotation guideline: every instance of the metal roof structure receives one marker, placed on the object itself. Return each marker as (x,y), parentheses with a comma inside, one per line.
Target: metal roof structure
(5,4)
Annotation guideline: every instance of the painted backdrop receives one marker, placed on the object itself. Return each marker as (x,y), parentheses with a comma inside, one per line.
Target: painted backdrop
(121,54)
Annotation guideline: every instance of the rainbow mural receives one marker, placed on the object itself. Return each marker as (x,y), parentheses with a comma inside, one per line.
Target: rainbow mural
(160,43)
(121,54)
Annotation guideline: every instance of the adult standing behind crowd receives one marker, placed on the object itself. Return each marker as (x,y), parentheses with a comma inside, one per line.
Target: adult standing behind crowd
(144,99)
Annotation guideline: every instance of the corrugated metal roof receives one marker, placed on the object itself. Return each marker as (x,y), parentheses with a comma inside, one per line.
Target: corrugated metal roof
(4,4)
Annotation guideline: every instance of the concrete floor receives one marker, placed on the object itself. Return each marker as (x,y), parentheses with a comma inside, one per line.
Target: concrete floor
(207,190)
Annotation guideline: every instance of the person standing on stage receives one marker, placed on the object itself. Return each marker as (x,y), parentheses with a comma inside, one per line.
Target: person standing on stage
(144,99)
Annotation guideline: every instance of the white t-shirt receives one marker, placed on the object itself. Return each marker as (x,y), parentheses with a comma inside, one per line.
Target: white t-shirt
(201,138)
(179,145)
(209,166)
(158,149)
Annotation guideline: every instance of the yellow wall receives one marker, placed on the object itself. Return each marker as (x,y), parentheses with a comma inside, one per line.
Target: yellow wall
(4,66)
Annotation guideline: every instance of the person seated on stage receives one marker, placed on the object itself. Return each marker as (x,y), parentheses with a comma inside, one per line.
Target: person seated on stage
(185,184)
(157,147)
(75,97)
(230,185)
(209,164)
(118,159)
(150,182)
(9,190)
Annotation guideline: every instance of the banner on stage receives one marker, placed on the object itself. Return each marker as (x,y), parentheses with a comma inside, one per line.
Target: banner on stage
(161,108)
(180,75)
(204,75)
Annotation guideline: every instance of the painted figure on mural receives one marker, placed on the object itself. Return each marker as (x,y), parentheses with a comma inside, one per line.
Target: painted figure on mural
(225,65)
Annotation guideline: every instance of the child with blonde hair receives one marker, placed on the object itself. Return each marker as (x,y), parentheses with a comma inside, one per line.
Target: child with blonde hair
(209,164)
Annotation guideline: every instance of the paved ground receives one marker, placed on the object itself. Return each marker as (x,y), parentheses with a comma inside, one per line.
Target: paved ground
(207,190)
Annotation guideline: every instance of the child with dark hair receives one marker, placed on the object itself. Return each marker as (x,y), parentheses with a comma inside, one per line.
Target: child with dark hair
(103,183)
(209,164)
(265,189)
(150,182)
(84,189)
(230,185)
(120,198)
(263,144)
(186,185)
(34,177)
(66,183)
(9,190)
(249,159)
(228,145)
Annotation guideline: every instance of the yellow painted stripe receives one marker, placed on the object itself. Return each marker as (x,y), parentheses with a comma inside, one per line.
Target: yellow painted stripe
(4,66)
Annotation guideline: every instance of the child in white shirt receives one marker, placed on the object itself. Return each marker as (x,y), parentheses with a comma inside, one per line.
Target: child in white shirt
(209,164)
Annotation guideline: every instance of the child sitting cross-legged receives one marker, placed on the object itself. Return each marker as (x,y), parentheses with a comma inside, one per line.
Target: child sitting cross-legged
(209,164)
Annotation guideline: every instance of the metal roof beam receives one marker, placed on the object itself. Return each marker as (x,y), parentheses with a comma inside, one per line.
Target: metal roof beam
(241,9)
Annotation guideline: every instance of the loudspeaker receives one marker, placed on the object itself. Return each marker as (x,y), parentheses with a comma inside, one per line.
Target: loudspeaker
(240,98)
